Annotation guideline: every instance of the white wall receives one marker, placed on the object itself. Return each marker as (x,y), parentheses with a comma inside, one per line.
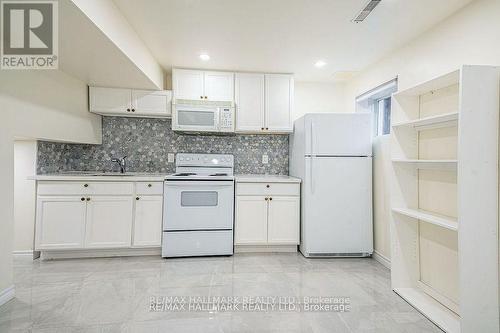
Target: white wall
(36,104)
(312,97)
(24,195)
(470,36)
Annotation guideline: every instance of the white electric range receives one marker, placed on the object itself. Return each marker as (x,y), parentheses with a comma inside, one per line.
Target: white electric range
(198,208)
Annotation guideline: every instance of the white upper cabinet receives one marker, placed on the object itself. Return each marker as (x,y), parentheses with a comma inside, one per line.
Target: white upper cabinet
(188,84)
(145,102)
(249,98)
(219,86)
(279,102)
(130,102)
(109,100)
(203,85)
(264,103)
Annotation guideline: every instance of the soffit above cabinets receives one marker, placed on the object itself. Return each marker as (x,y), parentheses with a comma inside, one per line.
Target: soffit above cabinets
(97,55)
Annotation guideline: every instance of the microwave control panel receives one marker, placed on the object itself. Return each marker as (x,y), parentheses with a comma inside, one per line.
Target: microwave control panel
(226,119)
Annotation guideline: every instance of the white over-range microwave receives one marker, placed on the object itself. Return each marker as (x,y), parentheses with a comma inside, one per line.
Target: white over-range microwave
(203,116)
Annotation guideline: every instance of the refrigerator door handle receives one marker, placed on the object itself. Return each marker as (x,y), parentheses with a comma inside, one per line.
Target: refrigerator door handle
(312,156)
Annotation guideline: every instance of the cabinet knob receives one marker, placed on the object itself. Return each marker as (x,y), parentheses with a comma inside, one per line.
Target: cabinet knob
(206,97)
(201,97)
(88,199)
(137,198)
(128,110)
(83,199)
(266,199)
(149,185)
(133,110)
(270,198)
(262,129)
(267,128)
(85,185)
(268,186)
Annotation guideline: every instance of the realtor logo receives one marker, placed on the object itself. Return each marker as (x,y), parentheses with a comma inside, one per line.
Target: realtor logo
(29,35)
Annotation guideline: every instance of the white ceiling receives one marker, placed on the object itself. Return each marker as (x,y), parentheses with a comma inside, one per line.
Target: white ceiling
(279,35)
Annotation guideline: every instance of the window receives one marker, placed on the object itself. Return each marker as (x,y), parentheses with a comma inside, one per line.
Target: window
(378,102)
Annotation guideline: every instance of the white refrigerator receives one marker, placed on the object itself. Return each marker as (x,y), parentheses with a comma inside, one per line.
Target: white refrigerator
(332,154)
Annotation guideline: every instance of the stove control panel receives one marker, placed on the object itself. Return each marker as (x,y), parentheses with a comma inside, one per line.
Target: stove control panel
(204,160)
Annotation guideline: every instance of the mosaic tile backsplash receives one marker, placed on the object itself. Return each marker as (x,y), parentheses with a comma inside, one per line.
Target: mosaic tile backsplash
(146,143)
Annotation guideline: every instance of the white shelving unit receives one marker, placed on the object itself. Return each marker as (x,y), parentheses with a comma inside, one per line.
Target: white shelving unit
(428,164)
(429,217)
(445,201)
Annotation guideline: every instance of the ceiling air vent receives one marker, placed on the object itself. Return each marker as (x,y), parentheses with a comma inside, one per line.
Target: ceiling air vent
(370,6)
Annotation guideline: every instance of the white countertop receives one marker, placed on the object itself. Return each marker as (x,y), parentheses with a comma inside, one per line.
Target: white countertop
(96,176)
(266,179)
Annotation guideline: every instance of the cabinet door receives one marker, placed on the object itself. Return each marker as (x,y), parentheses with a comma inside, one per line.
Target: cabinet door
(251,220)
(219,86)
(279,102)
(110,100)
(147,221)
(188,84)
(151,103)
(249,96)
(60,222)
(109,222)
(283,222)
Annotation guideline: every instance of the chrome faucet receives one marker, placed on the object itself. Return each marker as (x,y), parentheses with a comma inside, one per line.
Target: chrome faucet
(121,162)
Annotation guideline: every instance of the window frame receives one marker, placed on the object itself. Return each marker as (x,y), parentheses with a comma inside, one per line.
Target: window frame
(371,100)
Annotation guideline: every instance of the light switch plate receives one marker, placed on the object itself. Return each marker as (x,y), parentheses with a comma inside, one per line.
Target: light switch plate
(170,158)
(265,159)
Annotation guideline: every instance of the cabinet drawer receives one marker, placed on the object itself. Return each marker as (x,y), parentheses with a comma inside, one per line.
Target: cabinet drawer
(83,188)
(149,188)
(267,189)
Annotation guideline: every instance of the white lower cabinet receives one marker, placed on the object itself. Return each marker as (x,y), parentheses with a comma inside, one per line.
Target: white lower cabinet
(60,222)
(98,215)
(283,217)
(109,222)
(148,220)
(251,220)
(264,216)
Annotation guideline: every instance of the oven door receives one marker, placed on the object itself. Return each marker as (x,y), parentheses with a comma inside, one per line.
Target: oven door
(195,118)
(198,205)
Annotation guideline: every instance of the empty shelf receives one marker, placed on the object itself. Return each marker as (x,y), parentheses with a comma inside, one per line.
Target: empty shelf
(432,218)
(432,309)
(429,164)
(431,85)
(442,120)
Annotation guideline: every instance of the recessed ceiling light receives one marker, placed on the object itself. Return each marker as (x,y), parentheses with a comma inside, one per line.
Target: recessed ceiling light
(204,57)
(320,63)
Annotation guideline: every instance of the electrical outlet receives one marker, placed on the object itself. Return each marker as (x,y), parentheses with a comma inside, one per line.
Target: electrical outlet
(265,159)
(170,158)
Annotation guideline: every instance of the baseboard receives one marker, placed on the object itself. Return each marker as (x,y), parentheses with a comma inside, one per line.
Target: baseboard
(101,253)
(386,262)
(264,248)
(7,294)
(23,253)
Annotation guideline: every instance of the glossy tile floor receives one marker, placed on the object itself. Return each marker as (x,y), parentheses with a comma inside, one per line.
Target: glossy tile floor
(113,295)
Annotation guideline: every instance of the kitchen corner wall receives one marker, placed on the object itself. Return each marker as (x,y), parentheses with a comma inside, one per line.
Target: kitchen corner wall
(147,142)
